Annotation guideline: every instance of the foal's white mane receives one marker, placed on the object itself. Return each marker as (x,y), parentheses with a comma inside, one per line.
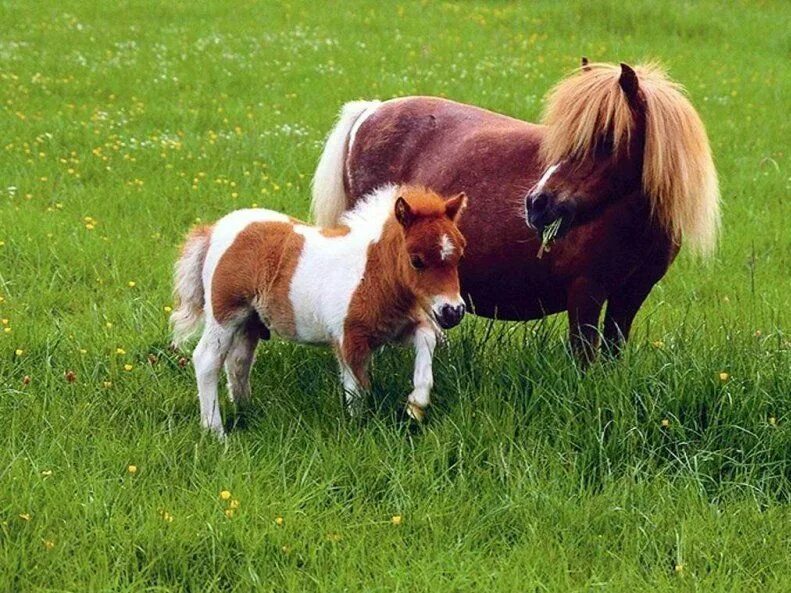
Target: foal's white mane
(370,212)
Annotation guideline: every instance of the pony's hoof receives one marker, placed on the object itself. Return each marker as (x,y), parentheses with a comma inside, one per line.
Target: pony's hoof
(415,412)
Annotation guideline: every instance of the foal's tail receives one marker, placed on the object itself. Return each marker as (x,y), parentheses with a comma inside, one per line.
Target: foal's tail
(188,285)
(329,196)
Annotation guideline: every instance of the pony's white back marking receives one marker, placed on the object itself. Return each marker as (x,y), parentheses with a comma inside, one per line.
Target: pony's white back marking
(446,247)
(331,268)
(223,235)
(365,115)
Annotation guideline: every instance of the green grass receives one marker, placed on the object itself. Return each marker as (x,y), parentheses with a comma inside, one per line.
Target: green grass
(529,476)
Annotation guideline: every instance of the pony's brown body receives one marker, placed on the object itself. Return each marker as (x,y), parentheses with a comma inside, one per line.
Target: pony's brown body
(614,252)
(495,159)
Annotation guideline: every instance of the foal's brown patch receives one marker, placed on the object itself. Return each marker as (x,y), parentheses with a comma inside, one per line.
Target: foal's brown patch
(256,271)
(338,231)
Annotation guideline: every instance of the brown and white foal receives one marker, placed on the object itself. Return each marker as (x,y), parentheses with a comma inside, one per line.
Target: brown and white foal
(387,273)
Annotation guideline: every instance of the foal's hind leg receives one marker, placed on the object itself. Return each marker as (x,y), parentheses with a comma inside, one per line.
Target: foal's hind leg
(239,361)
(207,359)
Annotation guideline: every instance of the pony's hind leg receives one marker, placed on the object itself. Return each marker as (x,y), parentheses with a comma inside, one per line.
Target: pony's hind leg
(241,356)
(208,358)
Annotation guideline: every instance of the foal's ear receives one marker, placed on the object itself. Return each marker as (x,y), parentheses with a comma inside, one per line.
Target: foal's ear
(403,212)
(629,84)
(455,206)
(584,64)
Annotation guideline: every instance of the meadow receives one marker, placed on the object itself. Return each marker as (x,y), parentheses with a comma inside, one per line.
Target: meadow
(125,123)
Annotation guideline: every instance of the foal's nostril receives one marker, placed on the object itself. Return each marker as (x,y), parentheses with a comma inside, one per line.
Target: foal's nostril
(450,315)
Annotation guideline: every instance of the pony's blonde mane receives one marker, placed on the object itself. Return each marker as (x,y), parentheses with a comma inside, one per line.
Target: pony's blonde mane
(678,171)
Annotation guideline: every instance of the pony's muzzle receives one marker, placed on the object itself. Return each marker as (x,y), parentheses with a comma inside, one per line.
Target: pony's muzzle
(544,208)
(450,315)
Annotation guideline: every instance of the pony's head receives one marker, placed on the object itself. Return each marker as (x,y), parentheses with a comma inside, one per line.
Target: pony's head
(614,133)
(431,251)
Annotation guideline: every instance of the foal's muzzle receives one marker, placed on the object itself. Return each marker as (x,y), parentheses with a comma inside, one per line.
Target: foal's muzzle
(544,208)
(449,315)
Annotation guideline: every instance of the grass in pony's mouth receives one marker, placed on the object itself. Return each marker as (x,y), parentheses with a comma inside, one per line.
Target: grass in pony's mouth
(548,235)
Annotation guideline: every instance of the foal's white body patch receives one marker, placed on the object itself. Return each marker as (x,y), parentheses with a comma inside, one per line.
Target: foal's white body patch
(446,247)
(223,235)
(331,269)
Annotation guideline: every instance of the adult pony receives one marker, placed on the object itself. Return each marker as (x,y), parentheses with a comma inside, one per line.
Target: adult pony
(621,159)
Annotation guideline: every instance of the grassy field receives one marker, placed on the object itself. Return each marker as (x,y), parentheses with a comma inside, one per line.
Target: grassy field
(124,123)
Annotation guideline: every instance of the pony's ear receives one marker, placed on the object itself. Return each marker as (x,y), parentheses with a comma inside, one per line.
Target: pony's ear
(629,84)
(455,206)
(403,212)
(584,64)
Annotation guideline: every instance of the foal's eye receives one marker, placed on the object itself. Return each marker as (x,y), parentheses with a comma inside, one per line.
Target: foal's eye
(417,262)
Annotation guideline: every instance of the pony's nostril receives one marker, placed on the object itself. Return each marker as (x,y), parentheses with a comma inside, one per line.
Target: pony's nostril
(540,202)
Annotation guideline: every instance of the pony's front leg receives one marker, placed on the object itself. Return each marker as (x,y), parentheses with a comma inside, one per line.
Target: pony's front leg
(424,340)
(353,356)
(585,301)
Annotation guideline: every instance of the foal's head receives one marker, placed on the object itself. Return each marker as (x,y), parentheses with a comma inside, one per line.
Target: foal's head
(432,248)
(593,150)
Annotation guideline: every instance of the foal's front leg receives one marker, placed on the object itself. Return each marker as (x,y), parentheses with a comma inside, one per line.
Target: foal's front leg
(424,340)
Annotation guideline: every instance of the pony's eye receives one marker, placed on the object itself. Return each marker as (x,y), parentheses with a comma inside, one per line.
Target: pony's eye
(417,262)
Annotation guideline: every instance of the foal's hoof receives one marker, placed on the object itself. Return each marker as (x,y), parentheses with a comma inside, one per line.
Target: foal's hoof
(415,412)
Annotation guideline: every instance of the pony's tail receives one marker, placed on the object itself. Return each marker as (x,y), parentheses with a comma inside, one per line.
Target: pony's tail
(188,285)
(329,195)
